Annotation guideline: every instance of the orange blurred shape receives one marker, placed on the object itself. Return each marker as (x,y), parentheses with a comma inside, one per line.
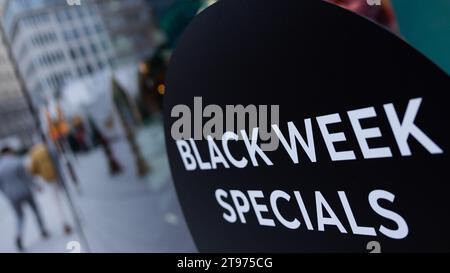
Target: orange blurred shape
(161,89)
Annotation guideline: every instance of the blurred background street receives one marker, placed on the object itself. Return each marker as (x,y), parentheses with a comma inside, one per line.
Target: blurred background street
(80,105)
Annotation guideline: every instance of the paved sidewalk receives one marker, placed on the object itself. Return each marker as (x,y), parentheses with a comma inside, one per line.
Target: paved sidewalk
(121,213)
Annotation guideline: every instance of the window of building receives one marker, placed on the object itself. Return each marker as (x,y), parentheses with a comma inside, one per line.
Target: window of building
(68,14)
(75,33)
(67,35)
(104,45)
(82,51)
(94,48)
(111,62)
(73,53)
(89,69)
(87,30)
(100,64)
(30,69)
(98,28)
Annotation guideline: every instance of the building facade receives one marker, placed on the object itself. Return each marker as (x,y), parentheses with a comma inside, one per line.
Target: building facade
(130,25)
(53,42)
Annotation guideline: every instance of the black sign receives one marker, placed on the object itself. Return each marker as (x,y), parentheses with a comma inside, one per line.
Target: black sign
(297,126)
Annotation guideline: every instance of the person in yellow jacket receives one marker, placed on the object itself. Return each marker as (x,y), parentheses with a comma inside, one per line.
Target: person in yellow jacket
(41,164)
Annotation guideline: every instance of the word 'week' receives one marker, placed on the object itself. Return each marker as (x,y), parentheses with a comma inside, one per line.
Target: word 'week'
(402,125)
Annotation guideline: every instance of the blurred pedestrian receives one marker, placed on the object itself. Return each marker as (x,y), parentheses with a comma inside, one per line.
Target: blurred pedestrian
(114,165)
(79,131)
(41,164)
(17,185)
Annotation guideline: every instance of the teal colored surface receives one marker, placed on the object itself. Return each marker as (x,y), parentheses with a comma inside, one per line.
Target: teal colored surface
(425,24)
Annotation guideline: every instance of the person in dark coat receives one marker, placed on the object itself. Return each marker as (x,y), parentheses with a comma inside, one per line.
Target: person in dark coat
(17,185)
